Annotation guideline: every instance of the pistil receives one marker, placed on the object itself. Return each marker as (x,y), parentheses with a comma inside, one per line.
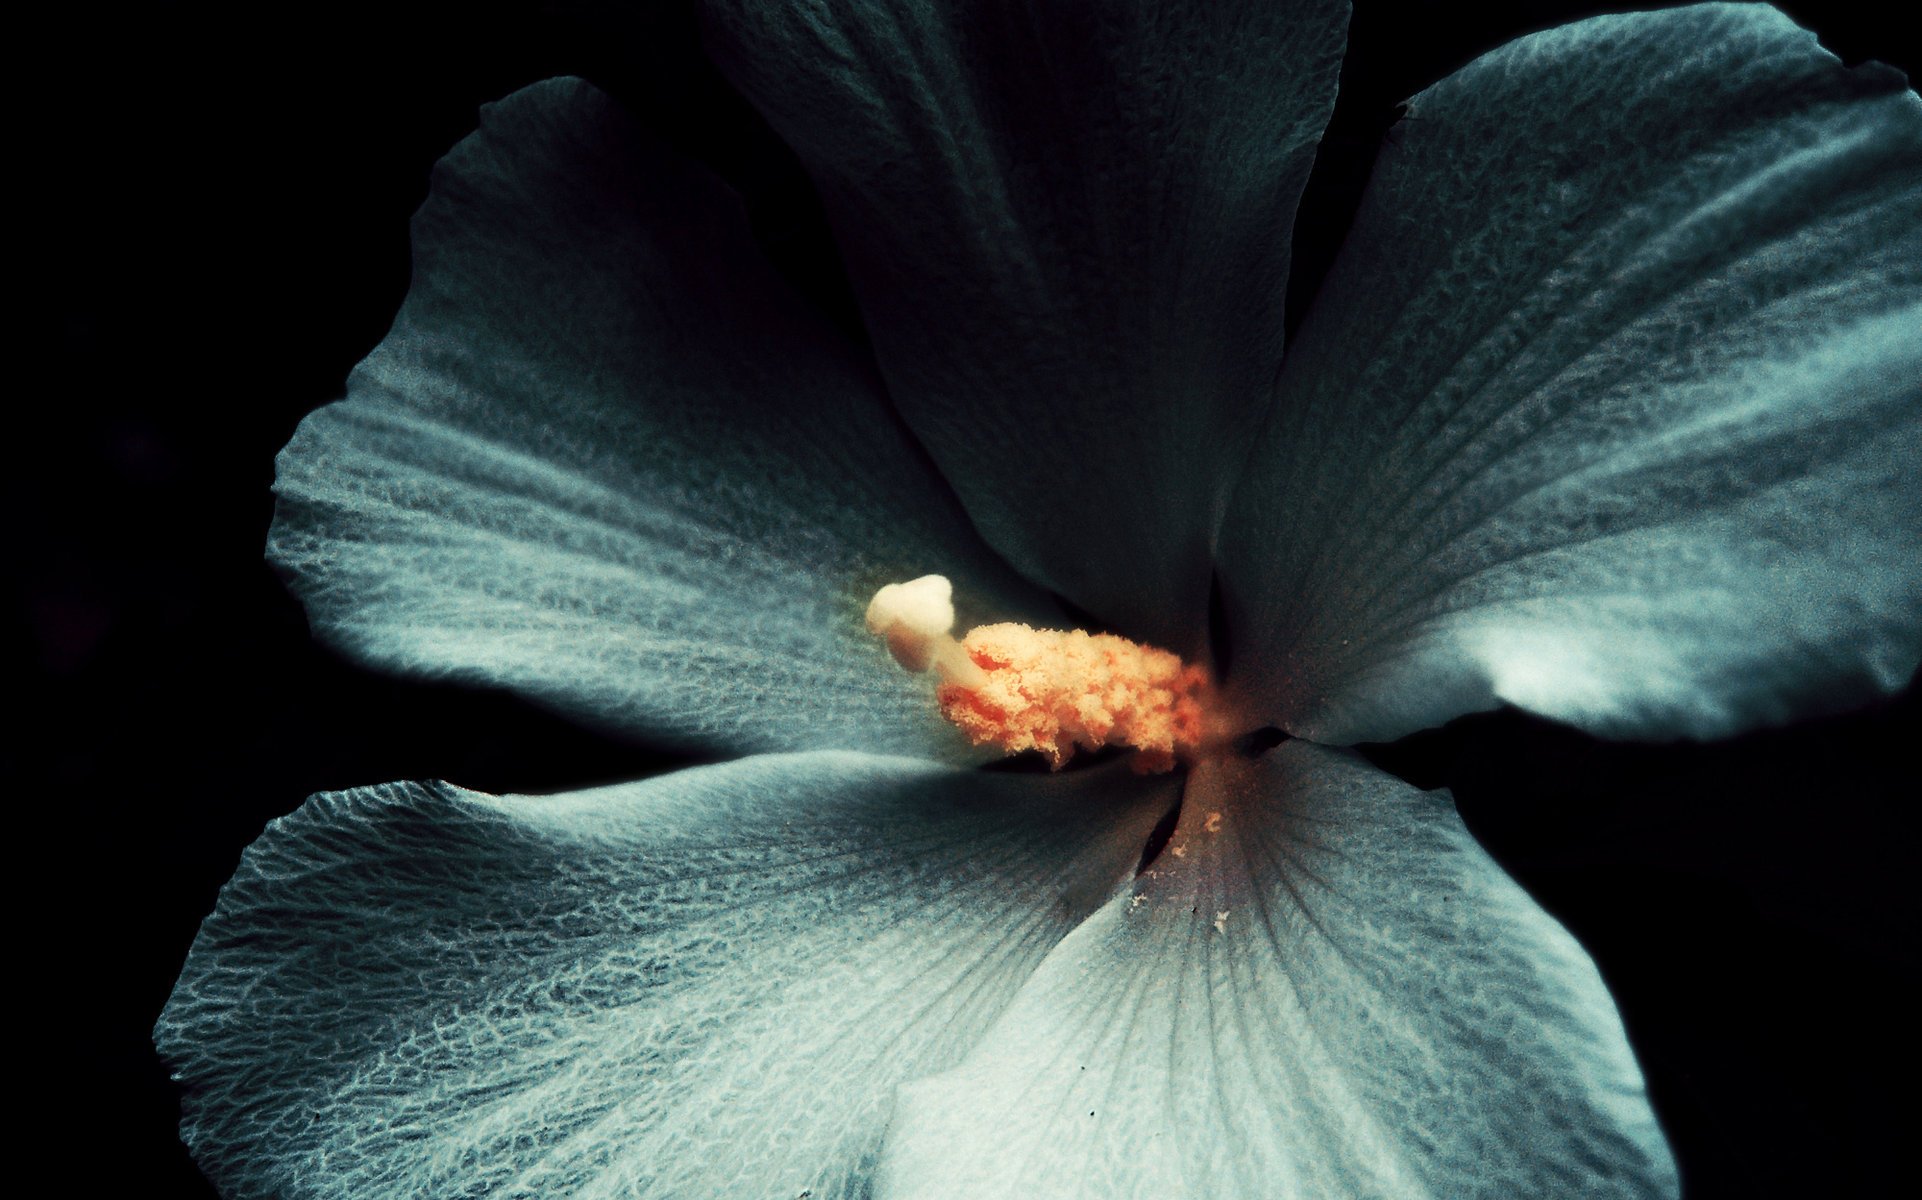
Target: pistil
(1052,691)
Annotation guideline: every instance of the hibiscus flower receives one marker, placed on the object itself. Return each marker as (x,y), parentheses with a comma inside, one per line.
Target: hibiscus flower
(1602,413)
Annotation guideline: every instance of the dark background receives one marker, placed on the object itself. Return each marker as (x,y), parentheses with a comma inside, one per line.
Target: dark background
(227,195)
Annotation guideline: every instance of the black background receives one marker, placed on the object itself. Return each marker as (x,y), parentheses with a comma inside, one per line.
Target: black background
(227,193)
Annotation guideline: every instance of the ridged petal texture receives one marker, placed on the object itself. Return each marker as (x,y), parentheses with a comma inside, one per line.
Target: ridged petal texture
(1612,406)
(1068,228)
(1322,989)
(708,984)
(606,458)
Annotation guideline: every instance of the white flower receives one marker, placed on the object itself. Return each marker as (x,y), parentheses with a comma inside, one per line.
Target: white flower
(1605,412)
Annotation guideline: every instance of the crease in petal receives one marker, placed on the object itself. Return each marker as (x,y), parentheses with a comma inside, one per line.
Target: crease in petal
(1608,409)
(1068,229)
(607,459)
(1322,988)
(708,983)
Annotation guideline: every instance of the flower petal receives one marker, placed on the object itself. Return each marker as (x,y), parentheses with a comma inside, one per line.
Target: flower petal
(1068,229)
(1323,988)
(607,459)
(1609,409)
(707,984)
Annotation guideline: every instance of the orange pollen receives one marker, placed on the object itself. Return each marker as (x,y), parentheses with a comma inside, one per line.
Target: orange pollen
(1058,690)
(1049,690)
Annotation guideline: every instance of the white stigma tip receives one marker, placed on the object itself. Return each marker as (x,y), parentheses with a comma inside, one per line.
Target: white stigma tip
(915,618)
(925,605)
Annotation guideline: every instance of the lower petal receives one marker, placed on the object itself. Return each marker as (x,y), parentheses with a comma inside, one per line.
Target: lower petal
(707,984)
(1322,987)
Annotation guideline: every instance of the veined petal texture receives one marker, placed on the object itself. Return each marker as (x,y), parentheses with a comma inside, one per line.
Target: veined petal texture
(606,458)
(1068,228)
(1322,989)
(1612,406)
(707,984)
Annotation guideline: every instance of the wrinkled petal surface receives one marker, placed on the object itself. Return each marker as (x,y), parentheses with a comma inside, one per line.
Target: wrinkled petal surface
(1612,406)
(707,984)
(1068,228)
(607,459)
(1322,988)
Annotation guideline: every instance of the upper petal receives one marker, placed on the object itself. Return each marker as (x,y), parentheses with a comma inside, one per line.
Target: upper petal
(1609,408)
(605,457)
(707,984)
(1323,988)
(1068,228)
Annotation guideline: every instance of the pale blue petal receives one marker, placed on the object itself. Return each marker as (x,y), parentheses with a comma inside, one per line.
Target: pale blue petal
(607,459)
(1322,989)
(1068,228)
(1612,407)
(708,984)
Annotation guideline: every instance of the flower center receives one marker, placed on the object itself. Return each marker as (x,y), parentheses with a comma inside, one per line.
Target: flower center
(1049,690)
